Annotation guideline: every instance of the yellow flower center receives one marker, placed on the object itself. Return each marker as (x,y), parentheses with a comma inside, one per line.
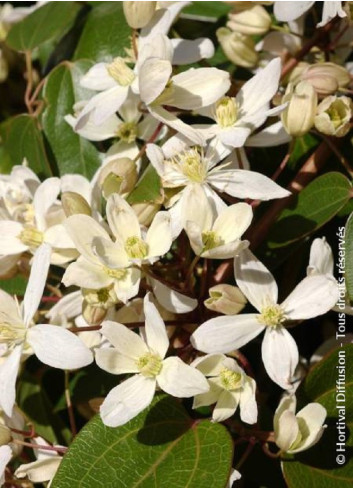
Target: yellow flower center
(227,112)
(230,380)
(149,364)
(210,240)
(12,334)
(127,132)
(336,113)
(192,165)
(135,247)
(272,316)
(117,273)
(31,237)
(121,73)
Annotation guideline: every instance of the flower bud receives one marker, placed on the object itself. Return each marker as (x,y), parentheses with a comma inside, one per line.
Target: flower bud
(138,14)
(326,78)
(225,299)
(145,212)
(93,315)
(74,203)
(5,435)
(238,48)
(298,117)
(253,21)
(118,176)
(333,116)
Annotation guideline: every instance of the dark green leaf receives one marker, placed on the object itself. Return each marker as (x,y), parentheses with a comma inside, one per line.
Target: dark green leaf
(302,147)
(21,139)
(317,467)
(148,188)
(15,285)
(213,10)
(105,34)
(349,256)
(312,208)
(48,22)
(162,447)
(73,153)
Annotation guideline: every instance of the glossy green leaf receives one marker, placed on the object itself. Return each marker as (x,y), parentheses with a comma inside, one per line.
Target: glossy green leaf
(73,153)
(148,189)
(105,34)
(33,401)
(317,467)
(162,447)
(15,285)
(349,256)
(317,204)
(48,22)
(21,138)
(213,10)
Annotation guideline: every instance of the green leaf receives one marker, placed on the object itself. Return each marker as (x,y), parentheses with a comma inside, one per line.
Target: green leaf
(317,204)
(148,189)
(349,256)
(317,467)
(48,22)
(21,139)
(162,447)
(73,153)
(213,10)
(14,285)
(33,401)
(105,34)
(302,147)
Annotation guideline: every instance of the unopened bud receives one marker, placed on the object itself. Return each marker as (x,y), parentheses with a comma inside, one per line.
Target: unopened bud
(334,115)
(118,176)
(145,212)
(93,315)
(225,299)
(252,21)
(326,78)
(298,117)
(74,203)
(238,48)
(138,14)
(5,435)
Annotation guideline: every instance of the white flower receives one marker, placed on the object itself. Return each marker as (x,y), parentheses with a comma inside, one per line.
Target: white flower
(53,345)
(289,11)
(145,357)
(312,297)
(237,117)
(230,387)
(297,432)
(5,457)
(212,235)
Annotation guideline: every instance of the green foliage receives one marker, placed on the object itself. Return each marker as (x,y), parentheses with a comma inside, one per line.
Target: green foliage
(213,10)
(312,208)
(148,189)
(349,256)
(105,34)
(162,447)
(73,153)
(317,467)
(48,22)
(15,285)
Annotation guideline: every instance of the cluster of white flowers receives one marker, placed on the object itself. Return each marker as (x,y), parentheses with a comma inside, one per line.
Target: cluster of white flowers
(115,255)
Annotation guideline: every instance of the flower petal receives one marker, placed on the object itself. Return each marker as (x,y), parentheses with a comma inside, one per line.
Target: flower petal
(181,380)
(45,196)
(210,365)
(125,341)
(86,274)
(115,363)
(288,11)
(225,407)
(159,235)
(321,258)
(190,51)
(209,397)
(83,229)
(40,470)
(98,78)
(156,333)
(248,405)
(121,218)
(311,420)
(127,400)
(153,78)
(5,457)
(58,347)
(172,300)
(287,430)
(232,223)
(8,375)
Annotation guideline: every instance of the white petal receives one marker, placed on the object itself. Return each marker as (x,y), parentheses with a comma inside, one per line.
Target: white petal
(329,12)
(288,402)
(45,196)
(194,232)
(162,21)
(280,356)
(197,208)
(225,407)
(127,400)
(321,258)
(234,136)
(156,333)
(273,135)
(86,274)
(232,223)
(9,310)
(181,380)
(69,306)
(287,430)
(156,157)
(226,333)
(40,470)
(172,300)
(255,280)
(191,51)
(58,347)
(93,132)
(245,184)
(287,11)
(121,218)
(113,362)
(10,244)
(210,365)
(111,254)
(8,375)
(128,287)
(153,77)
(125,341)
(98,78)
(248,406)
(228,250)
(58,237)
(311,419)
(313,296)
(36,282)
(159,235)
(209,397)
(5,457)
(83,229)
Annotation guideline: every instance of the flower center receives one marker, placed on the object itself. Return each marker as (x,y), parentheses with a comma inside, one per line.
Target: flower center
(127,132)
(135,247)
(11,334)
(31,237)
(210,240)
(117,273)
(149,364)
(192,165)
(272,316)
(336,114)
(121,73)
(230,380)
(227,112)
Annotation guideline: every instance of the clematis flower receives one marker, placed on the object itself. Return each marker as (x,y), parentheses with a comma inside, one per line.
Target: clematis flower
(312,297)
(289,11)
(5,457)
(212,235)
(144,356)
(295,433)
(54,346)
(230,387)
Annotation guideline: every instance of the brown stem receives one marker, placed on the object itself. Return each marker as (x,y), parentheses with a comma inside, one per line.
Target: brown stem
(29,86)
(269,453)
(134,324)
(151,140)
(40,447)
